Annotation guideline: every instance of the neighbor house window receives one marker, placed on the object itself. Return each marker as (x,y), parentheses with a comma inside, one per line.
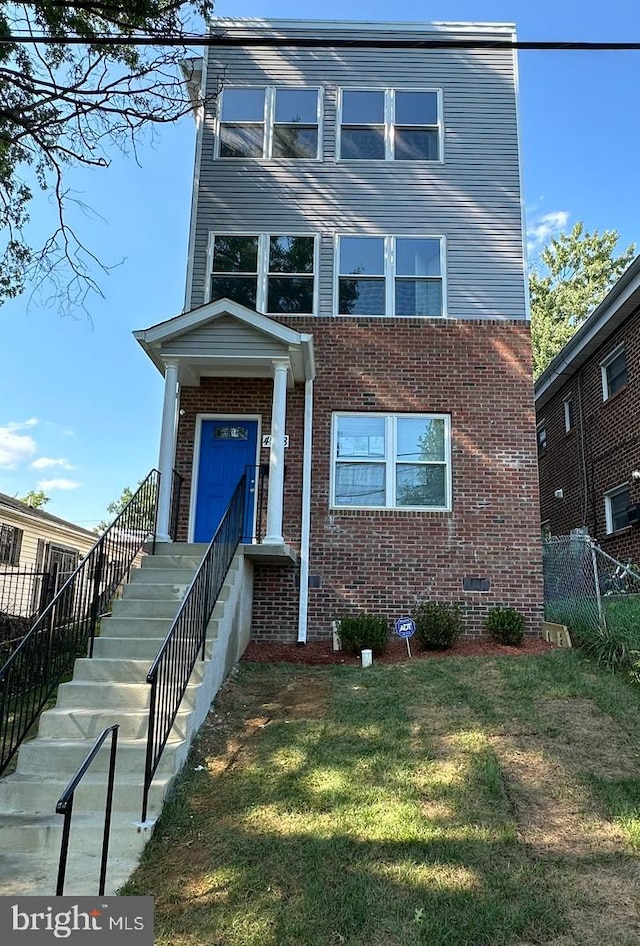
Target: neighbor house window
(272,273)
(269,122)
(616,503)
(387,275)
(390,125)
(614,373)
(392,461)
(568,415)
(10,544)
(542,439)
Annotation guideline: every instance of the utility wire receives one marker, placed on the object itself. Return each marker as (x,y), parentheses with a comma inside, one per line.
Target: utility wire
(248,40)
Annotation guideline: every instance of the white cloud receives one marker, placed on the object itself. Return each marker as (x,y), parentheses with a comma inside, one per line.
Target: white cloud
(58,484)
(542,227)
(45,463)
(16,447)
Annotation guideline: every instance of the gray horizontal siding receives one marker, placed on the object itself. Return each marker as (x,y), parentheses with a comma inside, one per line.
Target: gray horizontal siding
(472,198)
(224,337)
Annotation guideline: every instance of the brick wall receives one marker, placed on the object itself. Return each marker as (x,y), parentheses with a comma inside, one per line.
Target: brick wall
(477,371)
(601,454)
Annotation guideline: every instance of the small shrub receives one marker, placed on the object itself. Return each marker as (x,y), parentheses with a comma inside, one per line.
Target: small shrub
(364,631)
(437,625)
(506,625)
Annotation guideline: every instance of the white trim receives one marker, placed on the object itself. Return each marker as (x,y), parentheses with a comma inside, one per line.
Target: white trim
(389,116)
(195,468)
(604,364)
(389,274)
(390,460)
(375,26)
(269,122)
(608,496)
(305,524)
(195,191)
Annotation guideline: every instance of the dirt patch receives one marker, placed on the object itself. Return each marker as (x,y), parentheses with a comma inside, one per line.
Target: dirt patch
(590,740)
(319,653)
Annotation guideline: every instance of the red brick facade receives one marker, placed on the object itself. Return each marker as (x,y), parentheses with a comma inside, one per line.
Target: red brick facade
(599,453)
(381,561)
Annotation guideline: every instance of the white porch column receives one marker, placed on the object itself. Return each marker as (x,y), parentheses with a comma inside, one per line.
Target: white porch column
(276,458)
(167,449)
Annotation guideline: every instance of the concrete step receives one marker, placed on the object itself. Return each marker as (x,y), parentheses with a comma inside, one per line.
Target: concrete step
(171,561)
(160,575)
(135,627)
(135,648)
(89,724)
(157,592)
(134,608)
(100,696)
(28,833)
(35,875)
(67,755)
(171,549)
(40,795)
(117,670)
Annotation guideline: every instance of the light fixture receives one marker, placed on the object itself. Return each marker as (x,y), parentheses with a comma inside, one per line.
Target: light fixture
(559,494)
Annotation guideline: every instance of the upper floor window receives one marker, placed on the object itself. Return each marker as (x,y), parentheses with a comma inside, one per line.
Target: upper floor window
(273,273)
(269,123)
(541,434)
(387,275)
(568,415)
(390,125)
(392,461)
(616,503)
(614,372)
(10,544)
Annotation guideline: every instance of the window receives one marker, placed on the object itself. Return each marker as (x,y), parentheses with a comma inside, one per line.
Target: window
(386,275)
(269,122)
(616,502)
(391,461)
(545,529)
(390,125)
(542,439)
(10,544)
(614,373)
(273,273)
(568,415)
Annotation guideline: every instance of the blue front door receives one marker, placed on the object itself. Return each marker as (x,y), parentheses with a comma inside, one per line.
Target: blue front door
(227,449)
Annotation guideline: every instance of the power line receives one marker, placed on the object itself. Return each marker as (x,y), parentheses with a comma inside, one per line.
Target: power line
(306,42)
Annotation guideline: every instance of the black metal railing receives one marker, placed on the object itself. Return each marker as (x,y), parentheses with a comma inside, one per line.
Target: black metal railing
(26,591)
(171,671)
(257,478)
(67,627)
(176,491)
(65,807)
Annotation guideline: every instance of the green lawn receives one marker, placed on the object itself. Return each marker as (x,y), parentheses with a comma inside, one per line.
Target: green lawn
(448,802)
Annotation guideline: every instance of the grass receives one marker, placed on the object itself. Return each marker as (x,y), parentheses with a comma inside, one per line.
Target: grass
(454,802)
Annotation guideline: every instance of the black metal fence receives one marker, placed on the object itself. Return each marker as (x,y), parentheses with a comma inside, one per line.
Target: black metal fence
(256,486)
(67,627)
(171,670)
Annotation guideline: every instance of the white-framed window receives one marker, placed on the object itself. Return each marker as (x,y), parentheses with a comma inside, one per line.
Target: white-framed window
(391,461)
(541,434)
(390,275)
(390,125)
(616,503)
(10,544)
(568,414)
(269,122)
(614,372)
(271,273)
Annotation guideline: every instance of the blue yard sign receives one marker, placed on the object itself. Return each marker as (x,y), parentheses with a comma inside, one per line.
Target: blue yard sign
(406,628)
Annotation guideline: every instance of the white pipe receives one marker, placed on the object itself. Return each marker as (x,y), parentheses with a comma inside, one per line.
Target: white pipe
(305,531)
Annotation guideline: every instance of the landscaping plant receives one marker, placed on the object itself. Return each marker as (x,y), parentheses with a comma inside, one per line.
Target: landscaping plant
(364,631)
(438,625)
(506,626)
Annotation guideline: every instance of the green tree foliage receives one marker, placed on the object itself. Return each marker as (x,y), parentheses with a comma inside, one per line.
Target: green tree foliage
(36,498)
(63,105)
(114,509)
(579,268)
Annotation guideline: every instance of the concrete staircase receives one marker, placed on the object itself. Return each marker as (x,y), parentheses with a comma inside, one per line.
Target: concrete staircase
(106,689)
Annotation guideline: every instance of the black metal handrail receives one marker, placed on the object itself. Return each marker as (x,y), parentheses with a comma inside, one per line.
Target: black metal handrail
(67,627)
(65,807)
(256,499)
(171,671)
(176,491)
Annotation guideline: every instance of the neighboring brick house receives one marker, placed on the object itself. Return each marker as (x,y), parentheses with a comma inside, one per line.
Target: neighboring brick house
(588,426)
(356,286)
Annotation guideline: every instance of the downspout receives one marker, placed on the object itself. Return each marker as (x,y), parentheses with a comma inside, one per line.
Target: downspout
(305,531)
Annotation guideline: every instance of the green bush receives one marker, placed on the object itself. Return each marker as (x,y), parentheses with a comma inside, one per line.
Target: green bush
(437,625)
(364,631)
(506,625)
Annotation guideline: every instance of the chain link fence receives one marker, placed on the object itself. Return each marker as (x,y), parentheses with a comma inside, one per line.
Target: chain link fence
(596,596)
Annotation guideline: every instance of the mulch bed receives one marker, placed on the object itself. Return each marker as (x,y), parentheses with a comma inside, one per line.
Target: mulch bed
(318,653)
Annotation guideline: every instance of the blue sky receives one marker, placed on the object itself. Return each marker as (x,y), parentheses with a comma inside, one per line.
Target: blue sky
(79,401)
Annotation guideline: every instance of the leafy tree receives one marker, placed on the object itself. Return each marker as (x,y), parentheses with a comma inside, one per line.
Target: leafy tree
(63,105)
(580,267)
(35,498)
(114,509)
